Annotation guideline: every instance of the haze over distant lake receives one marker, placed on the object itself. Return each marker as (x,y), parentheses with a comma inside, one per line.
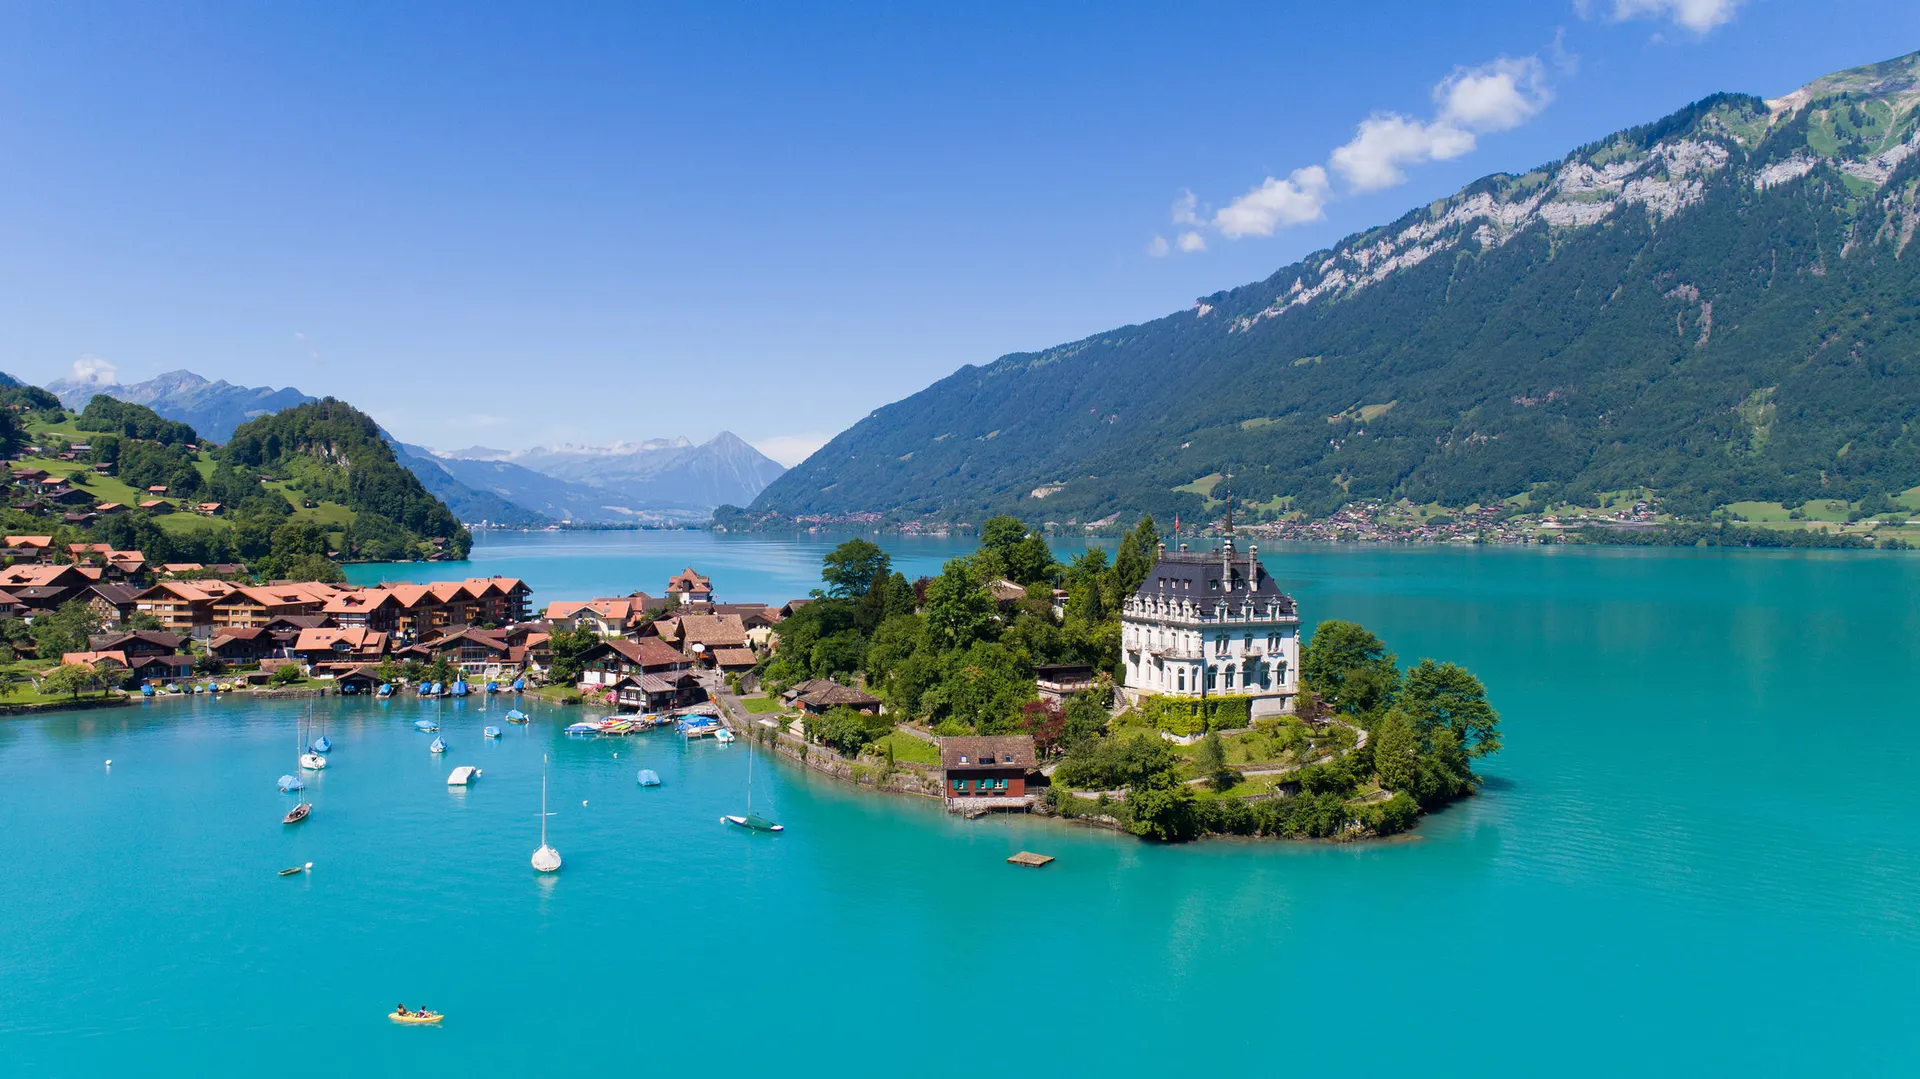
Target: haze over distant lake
(1698,853)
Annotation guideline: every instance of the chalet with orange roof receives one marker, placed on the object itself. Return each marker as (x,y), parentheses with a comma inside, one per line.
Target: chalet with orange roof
(344,644)
(183,606)
(256,605)
(689,587)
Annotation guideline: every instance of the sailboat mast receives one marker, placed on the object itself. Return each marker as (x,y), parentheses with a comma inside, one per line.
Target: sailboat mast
(543,801)
(749,775)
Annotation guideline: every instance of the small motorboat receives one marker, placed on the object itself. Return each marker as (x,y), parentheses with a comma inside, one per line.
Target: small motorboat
(321,744)
(296,869)
(491,732)
(516,716)
(312,762)
(298,813)
(439,745)
(463,775)
(582,728)
(754,822)
(415,1017)
(425,726)
(289,784)
(649,778)
(386,690)
(723,736)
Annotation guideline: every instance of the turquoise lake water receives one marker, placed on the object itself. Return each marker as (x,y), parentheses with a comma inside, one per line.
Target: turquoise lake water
(1698,854)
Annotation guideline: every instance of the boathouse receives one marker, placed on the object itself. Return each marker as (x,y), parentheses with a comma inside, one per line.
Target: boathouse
(983,774)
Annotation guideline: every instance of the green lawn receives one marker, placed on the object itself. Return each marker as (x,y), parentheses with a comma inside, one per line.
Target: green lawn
(908,749)
(762,705)
(186,523)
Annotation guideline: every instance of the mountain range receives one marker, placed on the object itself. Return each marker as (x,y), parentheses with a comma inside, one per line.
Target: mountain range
(1720,305)
(658,481)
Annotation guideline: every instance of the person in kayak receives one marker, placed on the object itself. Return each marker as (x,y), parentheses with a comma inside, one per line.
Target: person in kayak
(401,1009)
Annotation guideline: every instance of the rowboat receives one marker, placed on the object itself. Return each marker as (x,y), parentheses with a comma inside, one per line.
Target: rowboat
(296,869)
(439,746)
(516,716)
(649,778)
(491,732)
(415,1017)
(425,725)
(298,813)
(313,762)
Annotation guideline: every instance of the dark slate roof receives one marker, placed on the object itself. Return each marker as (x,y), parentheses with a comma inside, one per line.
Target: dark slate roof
(1199,576)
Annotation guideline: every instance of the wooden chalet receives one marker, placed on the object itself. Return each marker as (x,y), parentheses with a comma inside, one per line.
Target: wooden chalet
(985,773)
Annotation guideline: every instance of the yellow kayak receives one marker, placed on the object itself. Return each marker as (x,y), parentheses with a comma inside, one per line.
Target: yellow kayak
(432,1018)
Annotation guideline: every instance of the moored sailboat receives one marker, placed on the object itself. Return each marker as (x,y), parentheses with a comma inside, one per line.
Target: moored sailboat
(546,859)
(750,820)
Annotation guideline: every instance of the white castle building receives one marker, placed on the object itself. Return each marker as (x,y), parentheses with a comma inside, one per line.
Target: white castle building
(1212,625)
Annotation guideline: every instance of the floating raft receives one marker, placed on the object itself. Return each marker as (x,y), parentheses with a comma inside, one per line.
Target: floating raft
(1030,860)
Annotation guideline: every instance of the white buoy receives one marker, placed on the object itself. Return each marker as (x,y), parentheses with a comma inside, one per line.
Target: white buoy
(109,762)
(309,867)
(583,801)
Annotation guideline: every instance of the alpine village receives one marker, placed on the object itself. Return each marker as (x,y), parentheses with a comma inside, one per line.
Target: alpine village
(1166,692)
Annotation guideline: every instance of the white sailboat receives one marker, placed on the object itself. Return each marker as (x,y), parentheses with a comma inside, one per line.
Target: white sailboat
(751,821)
(546,859)
(312,761)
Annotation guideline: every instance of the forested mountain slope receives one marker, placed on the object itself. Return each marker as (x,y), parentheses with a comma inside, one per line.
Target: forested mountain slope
(1721,305)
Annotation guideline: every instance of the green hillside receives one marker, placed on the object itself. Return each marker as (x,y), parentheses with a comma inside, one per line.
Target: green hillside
(1721,307)
(321,490)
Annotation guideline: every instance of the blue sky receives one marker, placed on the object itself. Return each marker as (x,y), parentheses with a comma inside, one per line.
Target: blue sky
(512,225)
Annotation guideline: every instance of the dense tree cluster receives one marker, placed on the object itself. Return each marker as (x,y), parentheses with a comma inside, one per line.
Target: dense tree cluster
(947,649)
(106,414)
(329,451)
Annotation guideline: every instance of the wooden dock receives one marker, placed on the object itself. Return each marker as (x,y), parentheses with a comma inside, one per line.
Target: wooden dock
(1030,860)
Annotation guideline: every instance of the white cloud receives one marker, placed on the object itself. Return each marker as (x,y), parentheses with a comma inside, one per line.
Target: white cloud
(1699,16)
(1494,97)
(1385,142)
(1184,209)
(95,371)
(1157,247)
(790,450)
(1299,198)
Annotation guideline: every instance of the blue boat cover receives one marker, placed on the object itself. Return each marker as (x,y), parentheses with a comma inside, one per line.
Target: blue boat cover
(291,783)
(581,728)
(649,778)
(493,732)
(438,744)
(516,714)
(425,725)
(519,684)
(321,744)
